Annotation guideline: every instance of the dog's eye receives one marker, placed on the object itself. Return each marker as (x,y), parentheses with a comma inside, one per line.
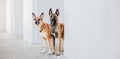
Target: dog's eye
(34,19)
(38,19)
(51,16)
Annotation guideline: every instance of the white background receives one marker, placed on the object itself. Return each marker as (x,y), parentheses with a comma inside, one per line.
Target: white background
(92,29)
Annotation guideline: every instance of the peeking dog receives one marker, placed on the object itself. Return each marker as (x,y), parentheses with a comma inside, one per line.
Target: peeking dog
(45,32)
(57,28)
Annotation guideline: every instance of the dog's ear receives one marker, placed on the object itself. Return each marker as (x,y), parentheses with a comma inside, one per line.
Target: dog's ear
(34,16)
(57,12)
(42,14)
(50,11)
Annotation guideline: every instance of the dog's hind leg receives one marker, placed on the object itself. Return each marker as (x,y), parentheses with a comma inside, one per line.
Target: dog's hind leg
(62,45)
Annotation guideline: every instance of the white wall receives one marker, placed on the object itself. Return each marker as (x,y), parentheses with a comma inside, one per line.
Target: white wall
(2,16)
(27,20)
(92,29)
(40,6)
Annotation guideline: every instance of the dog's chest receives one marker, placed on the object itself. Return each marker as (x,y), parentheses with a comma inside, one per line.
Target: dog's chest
(43,34)
(53,29)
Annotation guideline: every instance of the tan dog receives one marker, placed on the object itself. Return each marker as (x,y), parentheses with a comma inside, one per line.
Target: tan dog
(57,28)
(45,32)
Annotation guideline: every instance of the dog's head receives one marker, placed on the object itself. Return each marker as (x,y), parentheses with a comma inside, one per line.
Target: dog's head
(53,16)
(38,19)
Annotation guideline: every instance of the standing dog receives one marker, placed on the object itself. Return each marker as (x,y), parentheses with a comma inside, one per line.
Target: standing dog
(57,28)
(45,32)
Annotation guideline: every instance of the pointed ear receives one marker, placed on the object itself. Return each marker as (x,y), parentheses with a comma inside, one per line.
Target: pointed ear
(42,14)
(34,16)
(57,12)
(50,11)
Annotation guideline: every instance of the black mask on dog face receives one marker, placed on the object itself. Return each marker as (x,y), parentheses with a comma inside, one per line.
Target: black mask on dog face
(53,17)
(53,21)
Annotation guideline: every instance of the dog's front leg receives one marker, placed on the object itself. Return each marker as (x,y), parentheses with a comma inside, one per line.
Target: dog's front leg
(44,46)
(49,45)
(53,45)
(59,46)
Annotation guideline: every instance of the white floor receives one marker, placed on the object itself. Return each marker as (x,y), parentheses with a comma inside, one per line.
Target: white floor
(14,47)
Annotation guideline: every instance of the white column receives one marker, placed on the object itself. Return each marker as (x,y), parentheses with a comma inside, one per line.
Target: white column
(8,16)
(17,17)
(3,16)
(0,15)
(13,17)
(27,20)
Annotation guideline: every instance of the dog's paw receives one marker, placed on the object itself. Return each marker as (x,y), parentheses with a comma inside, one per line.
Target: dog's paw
(62,50)
(57,54)
(43,51)
(49,52)
(53,53)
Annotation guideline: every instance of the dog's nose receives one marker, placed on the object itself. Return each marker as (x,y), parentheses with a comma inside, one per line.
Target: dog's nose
(51,23)
(37,23)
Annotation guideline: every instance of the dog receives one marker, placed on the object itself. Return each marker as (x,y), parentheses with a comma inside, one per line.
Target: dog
(45,32)
(57,28)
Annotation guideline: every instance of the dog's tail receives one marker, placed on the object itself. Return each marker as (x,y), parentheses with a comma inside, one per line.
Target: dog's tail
(53,39)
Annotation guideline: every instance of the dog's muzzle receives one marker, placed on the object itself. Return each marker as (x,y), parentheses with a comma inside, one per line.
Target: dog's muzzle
(37,23)
(53,22)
